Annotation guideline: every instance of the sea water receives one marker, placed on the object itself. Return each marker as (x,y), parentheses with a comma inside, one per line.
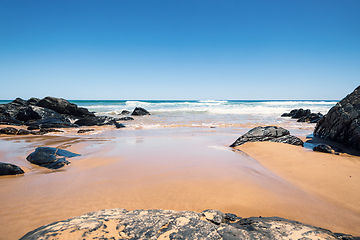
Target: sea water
(208,113)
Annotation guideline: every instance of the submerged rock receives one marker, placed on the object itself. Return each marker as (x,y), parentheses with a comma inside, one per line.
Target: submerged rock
(52,158)
(85,130)
(9,169)
(167,224)
(269,133)
(138,111)
(342,123)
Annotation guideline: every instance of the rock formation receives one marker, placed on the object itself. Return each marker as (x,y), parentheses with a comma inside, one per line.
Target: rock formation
(270,134)
(303,115)
(342,122)
(138,111)
(52,158)
(167,224)
(9,169)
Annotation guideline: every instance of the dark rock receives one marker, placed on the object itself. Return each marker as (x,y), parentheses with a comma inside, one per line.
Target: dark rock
(119,125)
(301,113)
(125,119)
(167,224)
(342,122)
(50,123)
(125,112)
(19,102)
(32,101)
(63,106)
(327,149)
(95,121)
(9,169)
(138,111)
(85,130)
(269,133)
(24,132)
(49,157)
(311,118)
(9,131)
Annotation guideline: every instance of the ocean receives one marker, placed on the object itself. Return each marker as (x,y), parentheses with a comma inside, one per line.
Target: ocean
(207,113)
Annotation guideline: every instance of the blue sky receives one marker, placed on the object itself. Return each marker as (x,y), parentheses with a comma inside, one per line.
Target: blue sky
(179,49)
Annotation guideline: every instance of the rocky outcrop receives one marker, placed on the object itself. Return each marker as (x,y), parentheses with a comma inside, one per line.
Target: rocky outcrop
(167,224)
(270,134)
(9,169)
(51,112)
(52,158)
(138,111)
(342,122)
(303,115)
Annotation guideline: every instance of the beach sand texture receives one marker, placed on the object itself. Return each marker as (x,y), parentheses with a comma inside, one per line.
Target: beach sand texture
(178,169)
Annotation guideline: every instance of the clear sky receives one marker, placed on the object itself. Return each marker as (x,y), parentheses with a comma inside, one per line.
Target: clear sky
(179,49)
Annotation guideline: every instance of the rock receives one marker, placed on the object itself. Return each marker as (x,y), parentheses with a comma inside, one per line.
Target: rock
(9,169)
(168,224)
(9,131)
(301,113)
(119,125)
(311,118)
(32,101)
(269,133)
(327,149)
(95,121)
(52,158)
(125,119)
(125,112)
(138,111)
(342,123)
(85,130)
(50,123)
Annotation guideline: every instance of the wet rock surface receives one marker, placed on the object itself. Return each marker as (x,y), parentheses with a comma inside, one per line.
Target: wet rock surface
(167,224)
(342,123)
(269,133)
(52,158)
(51,112)
(9,169)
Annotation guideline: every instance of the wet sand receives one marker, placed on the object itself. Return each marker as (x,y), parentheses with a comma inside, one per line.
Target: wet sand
(178,169)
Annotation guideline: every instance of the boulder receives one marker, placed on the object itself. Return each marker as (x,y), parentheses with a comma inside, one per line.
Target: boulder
(9,131)
(125,112)
(125,119)
(119,125)
(311,118)
(327,149)
(95,121)
(168,224)
(52,158)
(9,169)
(342,123)
(138,111)
(50,123)
(269,133)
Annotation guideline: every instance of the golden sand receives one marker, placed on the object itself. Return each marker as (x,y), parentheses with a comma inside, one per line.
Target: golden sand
(194,170)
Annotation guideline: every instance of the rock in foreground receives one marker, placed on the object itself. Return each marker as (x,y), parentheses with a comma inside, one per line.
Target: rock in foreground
(342,122)
(9,169)
(52,158)
(270,134)
(167,224)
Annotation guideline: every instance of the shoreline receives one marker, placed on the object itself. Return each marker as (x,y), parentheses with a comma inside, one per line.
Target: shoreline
(177,169)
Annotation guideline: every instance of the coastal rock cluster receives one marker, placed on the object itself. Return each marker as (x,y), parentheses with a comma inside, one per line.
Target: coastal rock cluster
(167,224)
(303,115)
(270,134)
(50,113)
(342,123)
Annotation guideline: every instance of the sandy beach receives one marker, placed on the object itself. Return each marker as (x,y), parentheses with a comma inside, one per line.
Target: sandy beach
(178,169)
